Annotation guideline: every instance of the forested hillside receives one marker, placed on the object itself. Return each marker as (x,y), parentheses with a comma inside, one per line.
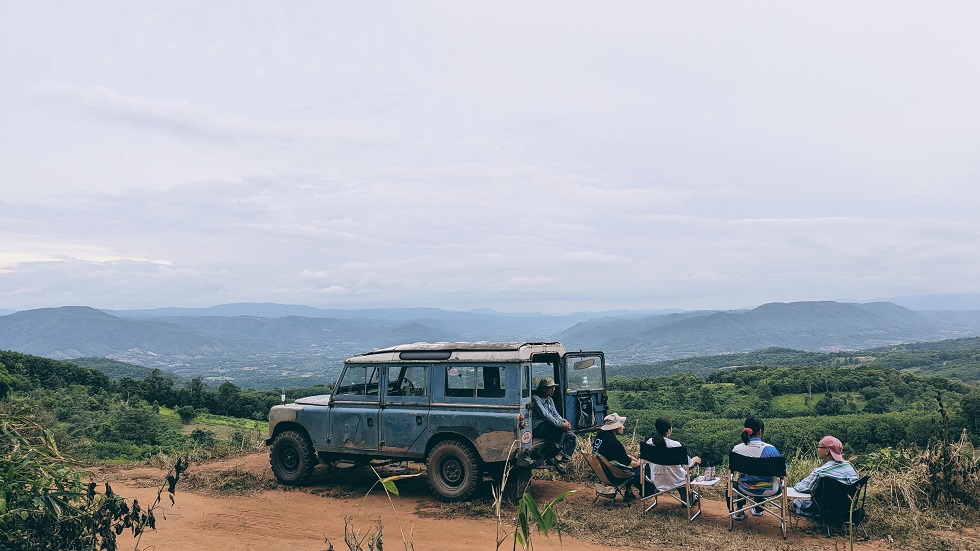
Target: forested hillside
(954,358)
(94,417)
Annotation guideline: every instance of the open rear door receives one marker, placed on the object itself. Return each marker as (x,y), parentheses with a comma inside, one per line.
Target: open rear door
(584,381)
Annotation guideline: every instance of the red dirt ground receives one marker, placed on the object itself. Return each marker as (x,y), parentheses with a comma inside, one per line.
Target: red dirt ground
(297,519)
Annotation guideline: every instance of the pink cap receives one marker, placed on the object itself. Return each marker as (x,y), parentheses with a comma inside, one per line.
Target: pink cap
(834,446)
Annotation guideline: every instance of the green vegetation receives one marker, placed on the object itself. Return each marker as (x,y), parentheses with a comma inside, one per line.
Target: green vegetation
(46,504)
(96,419)
(896,408)
(867,406)
(903,424)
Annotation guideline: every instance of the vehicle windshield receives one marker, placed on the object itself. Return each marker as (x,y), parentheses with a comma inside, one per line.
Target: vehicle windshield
(584,373)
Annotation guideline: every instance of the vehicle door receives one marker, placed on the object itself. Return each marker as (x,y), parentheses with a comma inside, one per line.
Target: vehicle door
(405,414)
(355,408)
(585,389)
(526,409)
(541,367)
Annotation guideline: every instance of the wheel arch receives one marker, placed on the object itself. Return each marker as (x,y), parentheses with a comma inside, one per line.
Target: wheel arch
(459,437)
(289,425)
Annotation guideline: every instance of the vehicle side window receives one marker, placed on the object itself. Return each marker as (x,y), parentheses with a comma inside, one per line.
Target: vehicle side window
(492,384)
(358,380)
(407,380)
(475,381)
(525,382)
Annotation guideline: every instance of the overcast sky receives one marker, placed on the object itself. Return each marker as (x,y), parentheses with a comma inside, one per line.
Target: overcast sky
(521,156)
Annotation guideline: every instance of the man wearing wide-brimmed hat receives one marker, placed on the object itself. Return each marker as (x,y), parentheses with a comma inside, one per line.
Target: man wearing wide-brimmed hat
(607,445)
(551,426)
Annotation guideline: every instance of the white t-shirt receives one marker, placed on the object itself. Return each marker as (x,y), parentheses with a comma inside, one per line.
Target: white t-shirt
(666,477)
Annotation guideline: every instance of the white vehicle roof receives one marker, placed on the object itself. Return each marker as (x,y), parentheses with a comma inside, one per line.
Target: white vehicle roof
(461,352)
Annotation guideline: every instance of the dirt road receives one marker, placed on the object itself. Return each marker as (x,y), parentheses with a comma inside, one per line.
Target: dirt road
(299,519)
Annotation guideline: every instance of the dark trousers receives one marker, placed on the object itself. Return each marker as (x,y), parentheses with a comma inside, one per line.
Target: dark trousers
(565,440)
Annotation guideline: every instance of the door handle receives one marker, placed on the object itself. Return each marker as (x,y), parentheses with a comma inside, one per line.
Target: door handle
(418,420)
(370,422)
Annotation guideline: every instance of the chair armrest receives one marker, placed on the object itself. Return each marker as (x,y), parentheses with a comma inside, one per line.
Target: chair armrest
(793,494)
(700,481)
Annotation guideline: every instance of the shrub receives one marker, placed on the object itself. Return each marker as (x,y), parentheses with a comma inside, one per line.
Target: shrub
(204,438)
(186,414)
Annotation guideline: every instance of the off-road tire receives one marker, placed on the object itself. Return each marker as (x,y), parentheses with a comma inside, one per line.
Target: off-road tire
(453,471)
(292,458)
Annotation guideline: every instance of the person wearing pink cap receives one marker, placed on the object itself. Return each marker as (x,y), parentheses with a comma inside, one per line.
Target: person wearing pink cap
(829,450)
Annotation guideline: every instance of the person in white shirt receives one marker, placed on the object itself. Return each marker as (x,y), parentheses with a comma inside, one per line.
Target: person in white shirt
(669,476)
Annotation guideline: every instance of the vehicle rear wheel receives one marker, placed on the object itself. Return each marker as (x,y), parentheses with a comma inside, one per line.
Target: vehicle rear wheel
(292,458)
(453,471)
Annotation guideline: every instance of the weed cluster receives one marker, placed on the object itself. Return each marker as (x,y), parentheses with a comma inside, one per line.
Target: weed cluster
(45,504)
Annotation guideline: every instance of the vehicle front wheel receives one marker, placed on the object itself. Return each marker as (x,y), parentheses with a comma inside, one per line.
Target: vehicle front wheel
(292,458)
(453,471)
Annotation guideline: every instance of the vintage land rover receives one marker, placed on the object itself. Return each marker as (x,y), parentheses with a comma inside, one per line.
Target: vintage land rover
(464,409)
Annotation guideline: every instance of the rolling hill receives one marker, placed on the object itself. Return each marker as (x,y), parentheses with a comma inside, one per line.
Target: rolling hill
(263,351)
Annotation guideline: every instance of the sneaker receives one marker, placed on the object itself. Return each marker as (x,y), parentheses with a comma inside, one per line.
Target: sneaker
(629,496)
(558,466)
(758,511)
(739,516)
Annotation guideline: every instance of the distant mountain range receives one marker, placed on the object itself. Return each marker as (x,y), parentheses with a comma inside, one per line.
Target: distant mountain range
(812,326)
(262,345)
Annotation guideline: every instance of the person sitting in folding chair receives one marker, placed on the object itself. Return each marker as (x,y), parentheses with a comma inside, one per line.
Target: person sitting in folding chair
(834,466)
(608,445)
(613,480)
(753,446)
(670,476)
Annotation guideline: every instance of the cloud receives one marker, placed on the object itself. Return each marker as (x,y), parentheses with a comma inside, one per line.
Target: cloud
(577,156)
(175,116)
(187,120)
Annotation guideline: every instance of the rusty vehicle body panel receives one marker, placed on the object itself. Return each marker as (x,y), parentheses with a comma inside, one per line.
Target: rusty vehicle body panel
(466,404)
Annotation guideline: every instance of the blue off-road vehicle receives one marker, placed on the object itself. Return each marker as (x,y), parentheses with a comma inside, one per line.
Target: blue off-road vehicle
(464,409)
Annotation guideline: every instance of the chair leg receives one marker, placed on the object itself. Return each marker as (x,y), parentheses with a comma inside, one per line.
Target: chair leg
(652,505)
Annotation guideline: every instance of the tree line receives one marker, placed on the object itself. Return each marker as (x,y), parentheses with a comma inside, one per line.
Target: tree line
(94,417)
(867,406)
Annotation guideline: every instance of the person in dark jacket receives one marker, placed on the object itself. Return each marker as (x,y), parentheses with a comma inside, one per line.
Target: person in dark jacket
(607,445)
